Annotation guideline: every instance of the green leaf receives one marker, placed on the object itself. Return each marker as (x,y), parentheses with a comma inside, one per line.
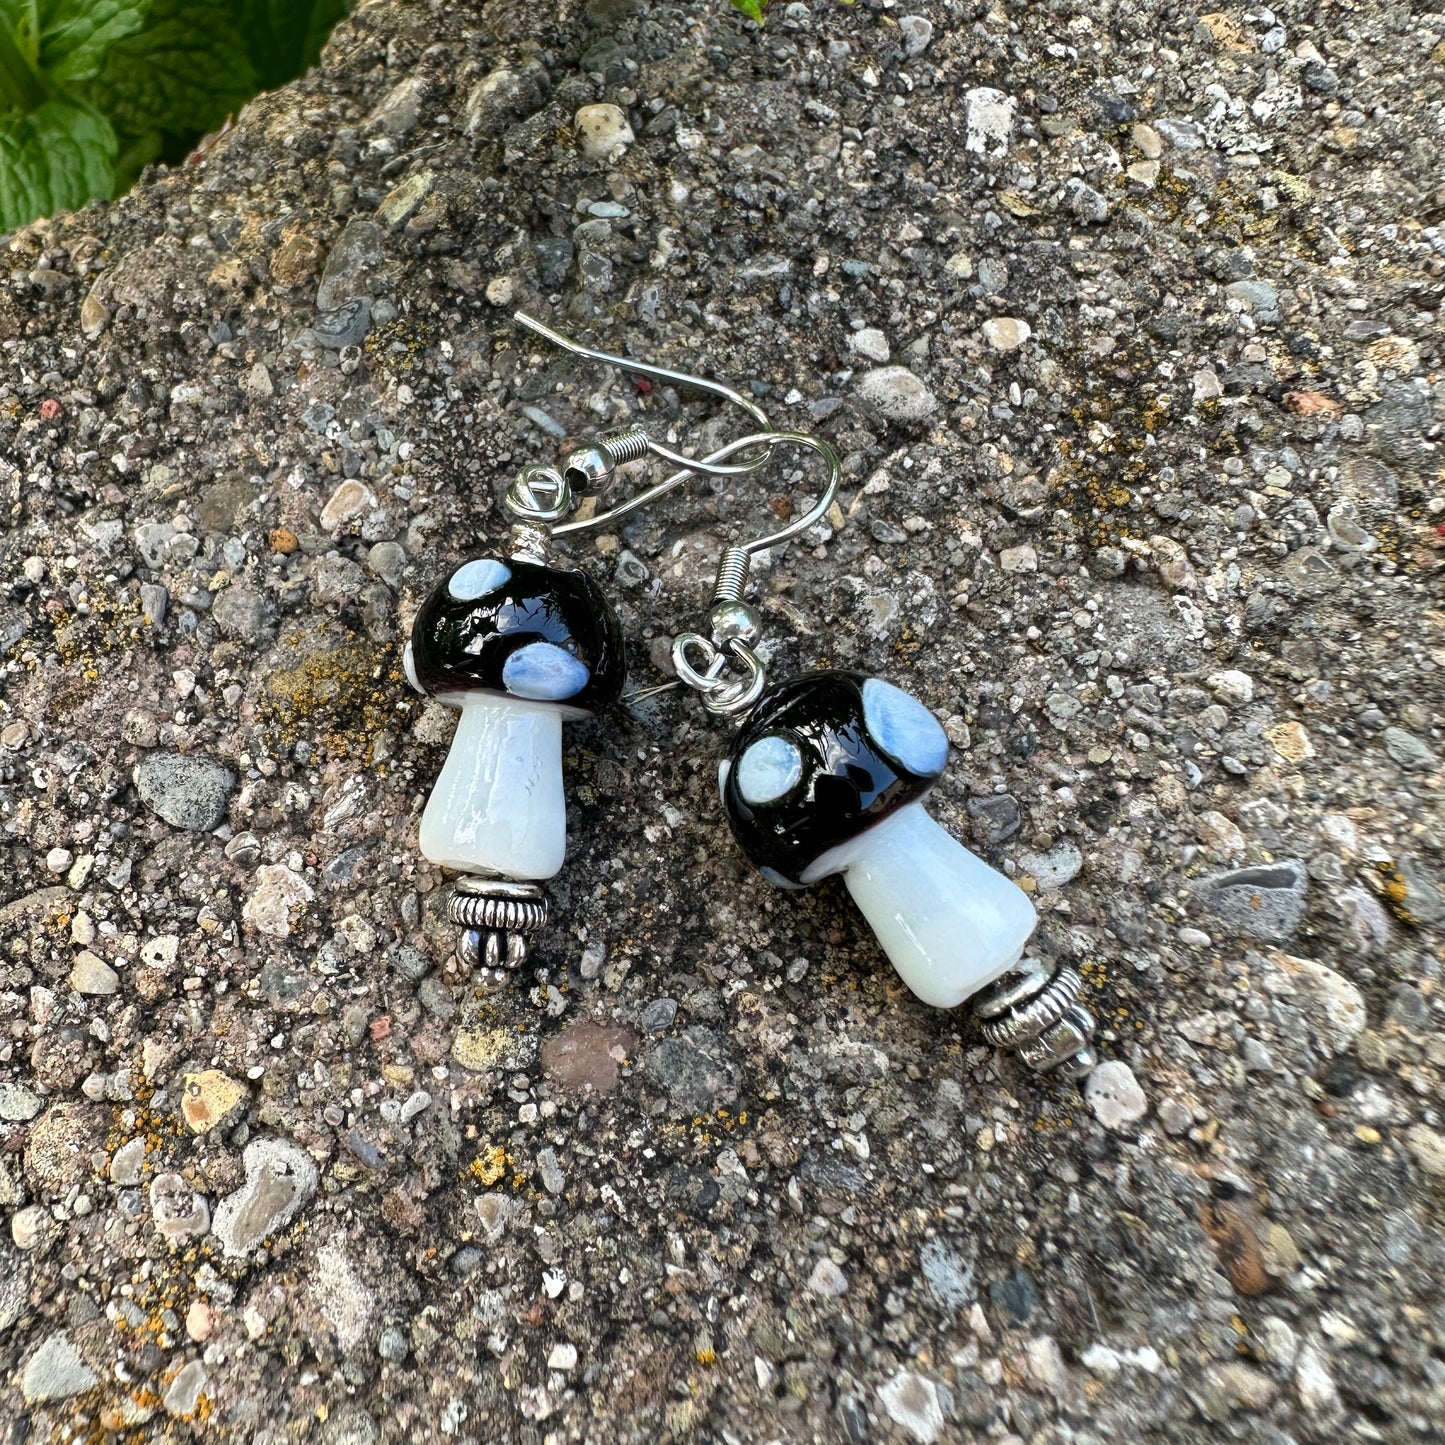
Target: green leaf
(184,73)
(53,159)
(21,88)
(75,34)
(285,36)
(753,9)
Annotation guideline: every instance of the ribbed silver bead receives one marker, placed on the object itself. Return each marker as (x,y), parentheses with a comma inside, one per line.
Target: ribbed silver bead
(506,915)
(1036,1013)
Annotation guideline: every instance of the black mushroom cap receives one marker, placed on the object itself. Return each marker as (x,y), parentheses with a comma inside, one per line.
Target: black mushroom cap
(823,758)
(522,630)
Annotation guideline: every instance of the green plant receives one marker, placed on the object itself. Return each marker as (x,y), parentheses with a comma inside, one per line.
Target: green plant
(93,90)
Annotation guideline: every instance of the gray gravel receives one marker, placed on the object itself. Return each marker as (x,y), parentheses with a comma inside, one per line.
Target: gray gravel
(1126,322)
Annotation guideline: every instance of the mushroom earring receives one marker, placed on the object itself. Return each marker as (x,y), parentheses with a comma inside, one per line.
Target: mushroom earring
(518,644)
(827,775)
(518,647)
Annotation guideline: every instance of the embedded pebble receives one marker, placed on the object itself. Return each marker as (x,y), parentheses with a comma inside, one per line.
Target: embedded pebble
(279,898)
(827,1279)
(601,129)
(127,1163)
(1408,750)
(18,1104)
(92,975)
(988,120)
(350,500)
(896,394)
(657,1017)
(188,792)
(1316,1384)
(870,343)
(1060,865)
(917,31)
(280,1181)
(177,1211)
(1333,1005)
(209,1098)
(55,1371)
(1266,902)
(911,1401)
(1005,333)
(31,1226)
(358,252)
(345,325)
(1427,1147)
(585,1056)
(1113,1093)
(184,1393)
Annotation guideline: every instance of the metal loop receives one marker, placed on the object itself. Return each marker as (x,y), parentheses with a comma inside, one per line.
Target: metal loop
(528,497)
(720,696)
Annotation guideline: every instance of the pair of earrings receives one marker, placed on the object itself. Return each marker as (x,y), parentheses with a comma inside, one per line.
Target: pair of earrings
(827,773)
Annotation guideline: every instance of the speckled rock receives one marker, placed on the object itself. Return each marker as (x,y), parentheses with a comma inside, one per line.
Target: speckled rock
(188,792)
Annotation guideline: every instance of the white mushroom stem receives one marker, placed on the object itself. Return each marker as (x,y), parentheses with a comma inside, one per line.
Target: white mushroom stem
(948,922)
(498,805)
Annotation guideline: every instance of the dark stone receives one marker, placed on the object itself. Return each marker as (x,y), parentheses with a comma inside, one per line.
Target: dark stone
(696,1069)
(1016,1295)
(357,252)
(997,817)
(347,325)
(554,260)
(187,792)
(658,1016)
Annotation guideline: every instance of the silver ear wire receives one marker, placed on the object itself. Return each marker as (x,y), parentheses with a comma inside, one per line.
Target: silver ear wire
(735,626)
(644,368)
(544,496)
(591,464)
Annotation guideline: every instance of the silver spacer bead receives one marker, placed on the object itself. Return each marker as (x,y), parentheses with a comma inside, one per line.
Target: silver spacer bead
(1036,1013)
(495,915)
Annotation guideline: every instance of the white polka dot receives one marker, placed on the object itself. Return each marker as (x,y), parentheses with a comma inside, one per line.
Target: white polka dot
(544,672)
(408,664)
(475,579)
(768,769)
(903,728)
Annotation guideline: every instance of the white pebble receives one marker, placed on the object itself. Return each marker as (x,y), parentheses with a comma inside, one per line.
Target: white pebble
(1231,686)
(912,1401)
(871,344)
(1113,1093)
(601,129)
(1006,333)
(1317,1390)
(563,1357)
(827,1279)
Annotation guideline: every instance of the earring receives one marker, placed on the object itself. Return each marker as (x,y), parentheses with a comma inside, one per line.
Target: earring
(519,643)
(828,774)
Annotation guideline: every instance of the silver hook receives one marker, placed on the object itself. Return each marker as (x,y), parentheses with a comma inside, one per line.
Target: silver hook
(667,376)
(768,441)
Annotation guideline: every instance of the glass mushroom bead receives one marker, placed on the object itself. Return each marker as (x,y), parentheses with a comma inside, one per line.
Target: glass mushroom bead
(828,775)
(518,648)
